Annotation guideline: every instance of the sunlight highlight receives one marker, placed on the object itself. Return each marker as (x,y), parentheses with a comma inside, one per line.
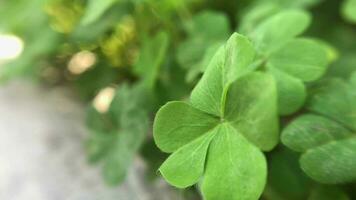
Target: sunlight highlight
(11,47)
(103,100)
(81,62)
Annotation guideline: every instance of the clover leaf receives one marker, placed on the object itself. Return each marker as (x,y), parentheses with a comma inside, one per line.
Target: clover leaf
(278,29)
(206,30)
(260,10)
(217,137)
(327,135)
(291,61)
(298,61)
(117,135)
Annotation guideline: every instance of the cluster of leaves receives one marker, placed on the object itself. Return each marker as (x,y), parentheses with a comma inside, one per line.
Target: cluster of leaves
(282,75)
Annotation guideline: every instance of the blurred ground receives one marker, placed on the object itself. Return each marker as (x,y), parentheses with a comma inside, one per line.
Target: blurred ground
(42,156)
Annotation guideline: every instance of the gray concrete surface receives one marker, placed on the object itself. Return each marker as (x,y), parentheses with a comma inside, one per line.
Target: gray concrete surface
(42,156)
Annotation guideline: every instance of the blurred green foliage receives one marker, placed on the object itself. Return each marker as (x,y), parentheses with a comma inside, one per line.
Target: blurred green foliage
(152,52)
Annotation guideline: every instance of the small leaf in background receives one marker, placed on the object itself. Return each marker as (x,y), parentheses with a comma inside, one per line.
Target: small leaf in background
(205,30)
(95,9)
(327,138)
(304,59)
(291,61)
(348,10)
(298,61)
(331,163)
(255,14)
(310,130)
(257,11)
(232,114)
(152,55)
(198,69)
(335,99)
(277,30)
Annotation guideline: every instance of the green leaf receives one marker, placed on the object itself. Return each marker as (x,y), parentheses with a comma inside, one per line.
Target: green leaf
(206,30)
(149,61)
(96,9)
(309,131)
(235,168)
(335,99)
(298,61)
(348,10)
(256,14)
(229,63)
(332,163)
(201,66)
(208,25)
(327,138)
(185,166)
(250,107)
(277,30)
(291,92)
(305,59)
(177,123)
(291,61)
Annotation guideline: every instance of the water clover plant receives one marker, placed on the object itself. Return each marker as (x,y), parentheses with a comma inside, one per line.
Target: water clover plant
(217,138)
(326,135)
